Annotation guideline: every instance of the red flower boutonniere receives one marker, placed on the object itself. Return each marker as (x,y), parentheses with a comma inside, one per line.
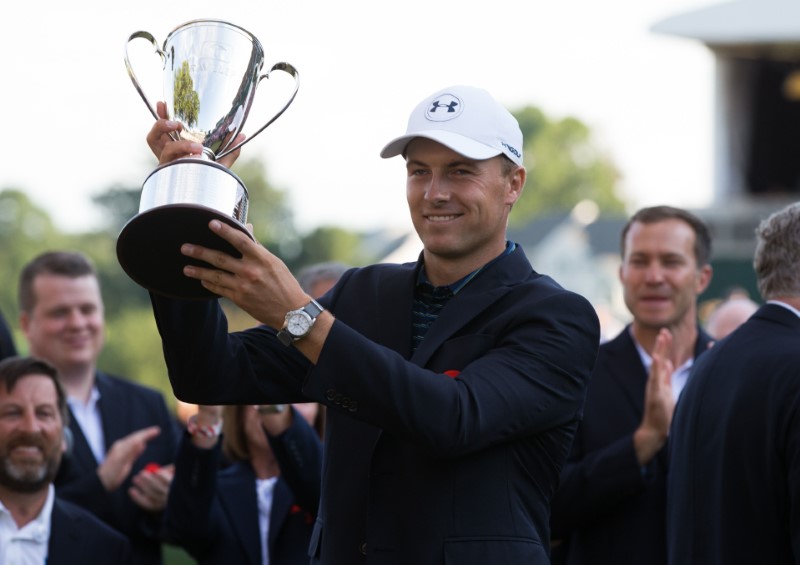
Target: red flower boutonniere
(452,373)
(296,509)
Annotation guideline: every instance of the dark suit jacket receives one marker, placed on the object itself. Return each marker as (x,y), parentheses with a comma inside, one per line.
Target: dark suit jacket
(76,536)
(734,483)
(7,348)
(124,408)
(446,455)
(213,513)
(608,510)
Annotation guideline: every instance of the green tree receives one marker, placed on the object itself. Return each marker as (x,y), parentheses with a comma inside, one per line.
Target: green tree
(133,349)
(25,231)
(331,243)
(565,166)
(272,219)
(119,204)
(186,99)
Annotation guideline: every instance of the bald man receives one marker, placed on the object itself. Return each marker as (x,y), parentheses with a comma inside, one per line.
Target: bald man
(729,315)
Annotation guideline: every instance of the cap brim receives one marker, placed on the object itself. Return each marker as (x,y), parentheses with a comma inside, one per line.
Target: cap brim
(460,144)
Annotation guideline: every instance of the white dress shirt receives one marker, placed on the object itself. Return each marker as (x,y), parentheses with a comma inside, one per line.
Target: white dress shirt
(265,488)
(26,545)
(88,418)
(679,375)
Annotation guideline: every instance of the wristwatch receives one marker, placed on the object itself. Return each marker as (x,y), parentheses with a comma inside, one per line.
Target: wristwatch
(299,322)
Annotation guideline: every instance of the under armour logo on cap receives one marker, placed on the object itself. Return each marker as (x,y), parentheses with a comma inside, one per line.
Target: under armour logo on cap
(444,108)
(465,119)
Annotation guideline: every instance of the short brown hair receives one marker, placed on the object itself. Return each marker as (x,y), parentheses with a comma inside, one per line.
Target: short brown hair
(61,263)
(13,369)
(655,214)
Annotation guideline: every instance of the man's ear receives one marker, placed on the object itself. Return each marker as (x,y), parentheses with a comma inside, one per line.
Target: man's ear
(517,183)
(67,441)
(703,278)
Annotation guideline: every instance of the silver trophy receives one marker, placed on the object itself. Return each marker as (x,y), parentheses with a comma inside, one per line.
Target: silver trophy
(211,69)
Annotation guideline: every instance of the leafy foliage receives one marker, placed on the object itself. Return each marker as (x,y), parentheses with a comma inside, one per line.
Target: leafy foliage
(185,97)
(565,166)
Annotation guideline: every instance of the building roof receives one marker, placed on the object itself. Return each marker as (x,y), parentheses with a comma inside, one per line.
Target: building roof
(738,22)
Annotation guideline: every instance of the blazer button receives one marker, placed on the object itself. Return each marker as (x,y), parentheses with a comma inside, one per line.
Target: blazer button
(330,394)
(363,548)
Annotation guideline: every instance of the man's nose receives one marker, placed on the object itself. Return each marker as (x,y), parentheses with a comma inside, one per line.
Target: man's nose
(438,189)
(654,273)
(29,422)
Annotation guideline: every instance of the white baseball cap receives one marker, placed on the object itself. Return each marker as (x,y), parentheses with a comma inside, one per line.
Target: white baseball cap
(465,119)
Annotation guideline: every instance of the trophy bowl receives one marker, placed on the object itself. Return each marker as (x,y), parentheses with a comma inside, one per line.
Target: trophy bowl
(211,70)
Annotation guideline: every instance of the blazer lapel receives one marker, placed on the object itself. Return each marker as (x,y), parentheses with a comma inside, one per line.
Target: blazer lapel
(80,452)
(627,370)
(486,289)
(281,506)
(237,494)
(62,537)
(393,323)
(114,414)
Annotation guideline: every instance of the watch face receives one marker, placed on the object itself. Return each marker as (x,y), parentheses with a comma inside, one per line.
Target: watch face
(298,324)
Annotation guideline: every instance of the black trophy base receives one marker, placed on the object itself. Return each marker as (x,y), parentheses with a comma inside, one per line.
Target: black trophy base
(149,248)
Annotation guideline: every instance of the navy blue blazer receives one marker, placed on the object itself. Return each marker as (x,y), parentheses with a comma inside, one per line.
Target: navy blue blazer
(449,454)
(125,407)
(76,536)
(734,481)
(213,513)
(7,348)
(608,510)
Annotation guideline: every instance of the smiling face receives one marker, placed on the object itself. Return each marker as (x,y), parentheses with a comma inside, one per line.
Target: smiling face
(65,325)
(660,276)
(459,206)
(31,434)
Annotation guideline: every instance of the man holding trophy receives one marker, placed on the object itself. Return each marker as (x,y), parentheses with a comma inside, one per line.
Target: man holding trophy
(211,69)
(453,384)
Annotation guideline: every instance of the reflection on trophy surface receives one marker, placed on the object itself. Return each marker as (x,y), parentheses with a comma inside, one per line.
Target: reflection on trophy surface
(211,69)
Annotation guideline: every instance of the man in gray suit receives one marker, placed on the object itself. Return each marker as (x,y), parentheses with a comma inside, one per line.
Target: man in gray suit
(734,480)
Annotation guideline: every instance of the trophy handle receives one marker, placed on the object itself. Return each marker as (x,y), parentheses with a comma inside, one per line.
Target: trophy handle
(285,67)
(148,36)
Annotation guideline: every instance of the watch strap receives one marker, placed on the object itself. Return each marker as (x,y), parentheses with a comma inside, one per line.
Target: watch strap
(313,309)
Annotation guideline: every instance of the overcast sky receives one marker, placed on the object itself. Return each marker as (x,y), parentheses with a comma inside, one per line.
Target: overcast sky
(74,124)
